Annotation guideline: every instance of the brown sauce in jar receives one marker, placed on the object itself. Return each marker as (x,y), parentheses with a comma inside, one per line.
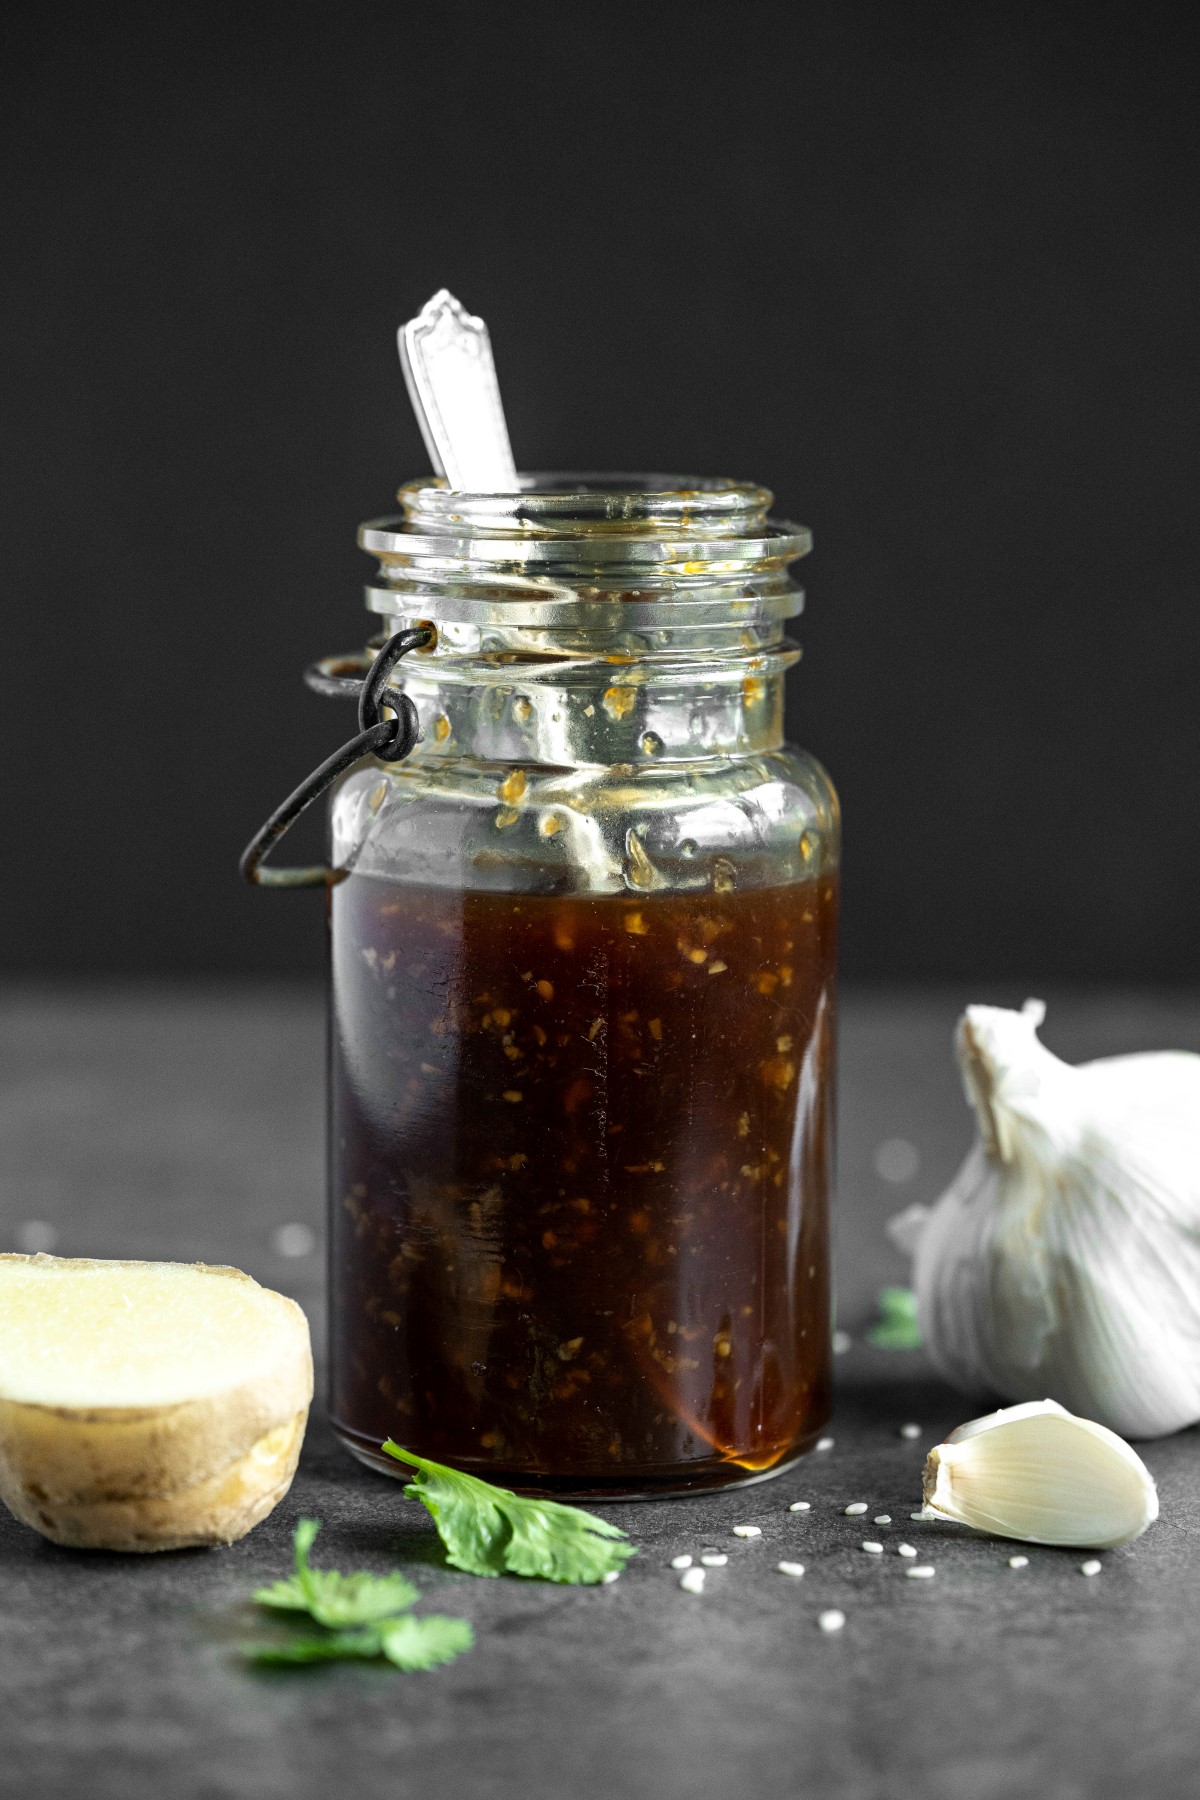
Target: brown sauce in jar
(581,1154)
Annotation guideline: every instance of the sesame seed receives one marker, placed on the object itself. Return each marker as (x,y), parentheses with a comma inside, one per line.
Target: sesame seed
(36,1236)
(800,1506)
(855,1507)
(714,1559)
(842,1341)
(747,1531)
(882,1519)
(612,1575)
(824,1443)
(920,1572)
(1018,1562)
(872,1549)
(920,1515)
(1091,1567)
(795,1570)
(905,1550)
(833,1620)
(681,1562)
(896,1160)
(910,1431)
(295,1240)
(692,1582)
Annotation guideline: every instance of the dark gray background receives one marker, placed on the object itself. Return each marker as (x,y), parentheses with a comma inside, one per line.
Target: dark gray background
(928,271)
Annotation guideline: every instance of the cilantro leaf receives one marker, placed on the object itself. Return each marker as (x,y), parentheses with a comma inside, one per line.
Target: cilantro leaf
(491,1531)
(424,1643)
(407,1643)
(325,1646)
(370,1602)
(897,1327)
(332,1599)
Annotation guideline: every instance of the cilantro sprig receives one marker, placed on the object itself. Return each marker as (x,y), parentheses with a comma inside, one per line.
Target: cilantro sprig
(405,1643)
(361,1616)
(332,1599)
(489,1530)
(897,1327)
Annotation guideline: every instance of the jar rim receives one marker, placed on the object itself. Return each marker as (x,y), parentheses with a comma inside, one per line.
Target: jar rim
(576,500)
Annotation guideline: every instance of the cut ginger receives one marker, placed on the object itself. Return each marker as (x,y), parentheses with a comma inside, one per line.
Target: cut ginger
(147,1406)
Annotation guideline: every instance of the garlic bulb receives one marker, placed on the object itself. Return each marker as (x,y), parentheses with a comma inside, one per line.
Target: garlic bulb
(1064,1258)
(1038,1473)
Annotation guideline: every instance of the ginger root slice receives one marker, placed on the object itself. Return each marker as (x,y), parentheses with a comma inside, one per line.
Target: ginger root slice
(147,1406)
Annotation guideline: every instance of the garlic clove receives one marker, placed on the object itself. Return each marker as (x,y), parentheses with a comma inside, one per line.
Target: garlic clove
(1038,1473)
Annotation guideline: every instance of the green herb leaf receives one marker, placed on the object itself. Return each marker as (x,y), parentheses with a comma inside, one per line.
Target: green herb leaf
(424,1643)
(367,1601)
(897,1327)
(406,1643)
(490,1531)
(326,1646)
(331,1599)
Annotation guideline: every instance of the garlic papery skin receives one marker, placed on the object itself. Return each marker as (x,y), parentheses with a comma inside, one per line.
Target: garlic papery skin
(1064,1258)
(1038,1473)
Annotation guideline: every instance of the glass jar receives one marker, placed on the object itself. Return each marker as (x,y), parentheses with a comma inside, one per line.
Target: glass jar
(583,1001)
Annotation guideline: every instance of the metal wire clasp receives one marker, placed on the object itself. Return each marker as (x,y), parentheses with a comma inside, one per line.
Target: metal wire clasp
(390,740)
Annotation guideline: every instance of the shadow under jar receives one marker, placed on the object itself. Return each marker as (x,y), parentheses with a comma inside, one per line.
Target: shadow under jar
(583,1001)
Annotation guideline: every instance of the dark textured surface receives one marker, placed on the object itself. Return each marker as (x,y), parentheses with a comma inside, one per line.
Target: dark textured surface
(189,1125)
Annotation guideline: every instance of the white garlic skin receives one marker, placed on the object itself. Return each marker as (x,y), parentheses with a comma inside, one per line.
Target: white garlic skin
(1064,1258)
(1037,1473)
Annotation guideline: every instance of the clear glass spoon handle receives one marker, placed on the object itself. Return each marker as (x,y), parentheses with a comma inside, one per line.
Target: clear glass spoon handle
(446,355)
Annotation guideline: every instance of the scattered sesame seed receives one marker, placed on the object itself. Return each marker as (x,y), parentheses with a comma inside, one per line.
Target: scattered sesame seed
(882,1519)
(910,1431)
(681,1562)
(294,1240)
(833,1620)
(692,1582)
(800,1506)
(872,1548)
(896,1160)
(842,1341)
(824,1443)
(920,1572)
(747,1531)
(612,1575)
(714,1559)
(855,1507)
(905,1550)
(920,1515)
(36,1236)
(1018,1562)
(795,1570)
(1091,1567)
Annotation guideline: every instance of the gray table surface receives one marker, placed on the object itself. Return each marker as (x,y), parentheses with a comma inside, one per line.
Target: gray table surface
(188,1124)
